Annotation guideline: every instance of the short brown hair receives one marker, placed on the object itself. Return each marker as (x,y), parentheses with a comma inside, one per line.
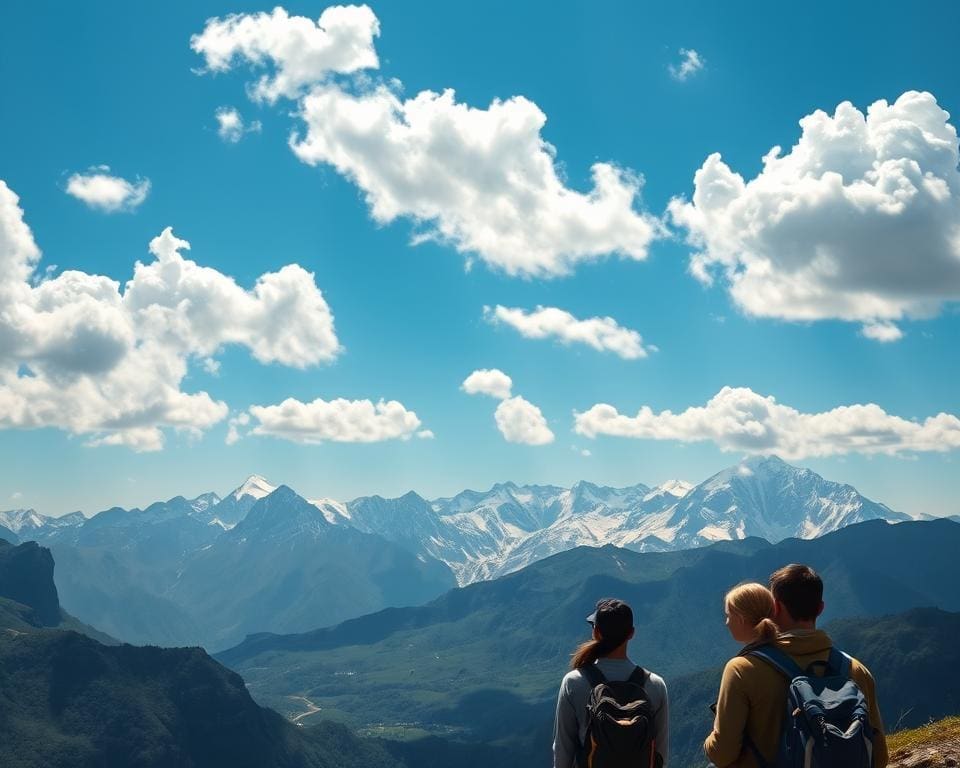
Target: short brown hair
(799,589)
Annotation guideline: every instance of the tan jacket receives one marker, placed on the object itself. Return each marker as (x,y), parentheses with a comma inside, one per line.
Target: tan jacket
(753,699)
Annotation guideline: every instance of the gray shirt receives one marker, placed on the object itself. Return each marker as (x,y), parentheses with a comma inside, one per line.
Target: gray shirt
(570,726)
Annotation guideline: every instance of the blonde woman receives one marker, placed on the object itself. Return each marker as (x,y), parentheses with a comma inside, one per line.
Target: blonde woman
(749,609)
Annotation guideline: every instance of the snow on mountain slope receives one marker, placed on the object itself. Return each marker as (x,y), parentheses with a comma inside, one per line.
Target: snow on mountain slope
(334,511)
(486,534)
(18,520)
(483,535)
(28,524)
(769,498)
(234,506)
(254,486)
(204,502)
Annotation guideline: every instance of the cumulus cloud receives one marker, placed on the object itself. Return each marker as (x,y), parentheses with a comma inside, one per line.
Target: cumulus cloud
(483,180)
(860,221)
(300,51)
(739,419)
(79,354)
(231,126)
(520,421)
(691,62)
(484,381)
(340,420)
(602,333)
(284,319)
(99,190)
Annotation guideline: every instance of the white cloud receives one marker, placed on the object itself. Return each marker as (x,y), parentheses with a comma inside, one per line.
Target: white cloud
(860,221)
(520,421)
(302,52)
(883,332)
(602,333)
(234,426)
(79,354)
(738,419)
(426,434)
(98,189)
(16,495)
(691,62)
(231,126)
(342,421)
(284,319)
(484,381)
(482,180)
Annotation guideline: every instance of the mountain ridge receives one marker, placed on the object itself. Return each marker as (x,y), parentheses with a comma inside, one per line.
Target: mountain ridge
(151,575)
(69,700)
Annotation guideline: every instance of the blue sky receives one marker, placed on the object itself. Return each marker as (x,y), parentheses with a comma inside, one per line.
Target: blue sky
(118,85)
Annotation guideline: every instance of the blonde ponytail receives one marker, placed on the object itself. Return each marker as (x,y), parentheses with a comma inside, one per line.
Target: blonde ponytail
(766,630)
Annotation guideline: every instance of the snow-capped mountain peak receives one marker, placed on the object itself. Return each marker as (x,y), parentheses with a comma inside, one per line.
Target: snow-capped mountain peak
(231,509)
(255,486)
(282,516)
(334,511)
(18,520)
(676,488)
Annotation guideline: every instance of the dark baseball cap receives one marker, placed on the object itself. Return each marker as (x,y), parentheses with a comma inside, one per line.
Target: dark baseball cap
(612,618)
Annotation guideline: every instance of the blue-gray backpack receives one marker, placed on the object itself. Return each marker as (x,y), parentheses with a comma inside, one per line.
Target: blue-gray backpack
(620,723)
(826,723)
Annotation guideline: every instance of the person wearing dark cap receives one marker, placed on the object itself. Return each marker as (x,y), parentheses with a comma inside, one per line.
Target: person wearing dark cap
(603,675)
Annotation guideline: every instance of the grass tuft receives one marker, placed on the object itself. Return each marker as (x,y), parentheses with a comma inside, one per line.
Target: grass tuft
(942,732)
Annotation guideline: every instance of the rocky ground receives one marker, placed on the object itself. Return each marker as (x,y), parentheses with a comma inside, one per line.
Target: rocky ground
(936,745)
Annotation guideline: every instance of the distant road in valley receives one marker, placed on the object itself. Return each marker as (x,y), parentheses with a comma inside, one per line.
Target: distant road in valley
(312,709)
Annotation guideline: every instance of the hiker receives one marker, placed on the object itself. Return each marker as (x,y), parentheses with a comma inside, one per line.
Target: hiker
(610,712)
(749,609)
(752,728)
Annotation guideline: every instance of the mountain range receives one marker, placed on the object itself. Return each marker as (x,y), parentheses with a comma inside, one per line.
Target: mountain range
(209,570)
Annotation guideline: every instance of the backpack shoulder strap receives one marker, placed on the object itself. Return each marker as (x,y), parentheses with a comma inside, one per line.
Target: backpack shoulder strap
(639,676)
(840,662)
(593,675)
(777,659)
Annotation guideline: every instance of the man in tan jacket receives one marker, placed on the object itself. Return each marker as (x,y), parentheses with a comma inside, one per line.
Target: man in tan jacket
(753,694)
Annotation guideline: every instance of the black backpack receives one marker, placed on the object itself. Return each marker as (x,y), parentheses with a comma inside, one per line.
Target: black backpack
(620,729)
